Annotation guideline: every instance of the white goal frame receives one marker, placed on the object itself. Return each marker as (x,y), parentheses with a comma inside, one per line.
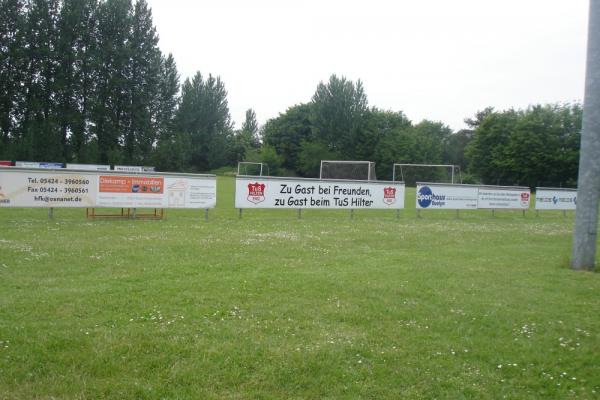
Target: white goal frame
(370,167)
(451,166)
(263,166)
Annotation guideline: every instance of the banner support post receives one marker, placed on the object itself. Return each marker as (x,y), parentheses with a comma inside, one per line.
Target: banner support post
(51,213)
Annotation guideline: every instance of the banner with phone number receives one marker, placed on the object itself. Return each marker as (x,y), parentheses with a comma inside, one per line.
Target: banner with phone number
(71,189)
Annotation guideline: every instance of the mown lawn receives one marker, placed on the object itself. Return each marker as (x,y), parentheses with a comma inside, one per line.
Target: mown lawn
(270,306)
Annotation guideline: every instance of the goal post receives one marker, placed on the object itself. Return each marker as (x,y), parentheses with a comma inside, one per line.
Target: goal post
(253,168)
(351,170)
(412,173)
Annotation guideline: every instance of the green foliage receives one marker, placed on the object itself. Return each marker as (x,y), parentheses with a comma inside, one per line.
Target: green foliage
(286,133)
(337,115)
(310,156)
(269,156)
(204,115)
(534,147)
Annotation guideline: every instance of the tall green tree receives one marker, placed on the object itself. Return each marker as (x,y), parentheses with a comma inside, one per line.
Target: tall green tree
(12,68)
(338,110)
(395,140)
(287,132)
(111,110)
(246,138)
(144,69)
(204,115)
(75,78)
(536,146)
(40,138)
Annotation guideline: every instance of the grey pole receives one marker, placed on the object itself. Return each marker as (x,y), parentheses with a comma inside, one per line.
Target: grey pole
(588,187)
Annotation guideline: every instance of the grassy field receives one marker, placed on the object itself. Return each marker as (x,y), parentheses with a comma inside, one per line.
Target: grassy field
(270,306)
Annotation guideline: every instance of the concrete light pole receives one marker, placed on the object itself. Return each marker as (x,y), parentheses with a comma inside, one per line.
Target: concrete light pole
(588,192)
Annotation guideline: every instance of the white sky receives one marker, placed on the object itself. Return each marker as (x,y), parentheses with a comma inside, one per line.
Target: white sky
(434,59)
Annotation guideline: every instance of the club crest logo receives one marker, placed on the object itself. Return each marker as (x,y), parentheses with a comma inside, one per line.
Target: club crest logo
(389,195)
(525,199)
(256,192)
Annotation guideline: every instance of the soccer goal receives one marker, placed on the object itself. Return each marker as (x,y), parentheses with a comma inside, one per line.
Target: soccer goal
(353,170)
(410,174)
(252,168)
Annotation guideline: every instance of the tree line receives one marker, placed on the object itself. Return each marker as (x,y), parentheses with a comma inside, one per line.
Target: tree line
(84,81)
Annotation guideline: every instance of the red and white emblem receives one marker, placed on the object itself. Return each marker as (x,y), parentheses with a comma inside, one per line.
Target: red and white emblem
(256,192)
(525,199)
(389,195)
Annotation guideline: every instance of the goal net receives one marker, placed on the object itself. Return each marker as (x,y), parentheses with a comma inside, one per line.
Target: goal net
(252,168)
(353,170)
(410,174)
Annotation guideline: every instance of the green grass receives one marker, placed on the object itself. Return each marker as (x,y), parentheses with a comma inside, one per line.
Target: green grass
(270,306)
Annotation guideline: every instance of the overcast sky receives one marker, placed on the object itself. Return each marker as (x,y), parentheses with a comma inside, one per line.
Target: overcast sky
(438,59)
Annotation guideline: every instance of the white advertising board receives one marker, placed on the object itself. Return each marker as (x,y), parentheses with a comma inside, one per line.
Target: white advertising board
(261,192)
(500,197)
(450,197)
(35,188)
(555,199)
(35,164)
(89,167)
(128,168)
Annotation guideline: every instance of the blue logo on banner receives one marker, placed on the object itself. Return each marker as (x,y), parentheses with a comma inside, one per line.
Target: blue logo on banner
(424,196)
(554,199)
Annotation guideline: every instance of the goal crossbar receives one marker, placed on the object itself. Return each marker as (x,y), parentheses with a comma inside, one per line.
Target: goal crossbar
(370,171)
(452,168)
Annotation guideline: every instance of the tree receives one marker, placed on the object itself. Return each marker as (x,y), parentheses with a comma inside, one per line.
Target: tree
(246,139)
(455,146)
(338,109)
(143,83)
(204,115)
(537,146)
(286,132)
(393,140)
(487,152)
(430,140)
(111,117)
(12,67)
(75,78)
(39,138)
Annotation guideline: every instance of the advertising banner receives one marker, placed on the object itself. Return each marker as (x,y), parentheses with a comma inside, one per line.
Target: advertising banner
(128,168)
(555,199)
(36,188)
(261,192)
(35,164)
(500,197)
(447,196)
(89,167)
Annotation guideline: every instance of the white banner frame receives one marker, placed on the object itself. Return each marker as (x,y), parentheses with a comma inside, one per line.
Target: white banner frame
(446,196)
(503,197)
(260,192)
(555,199)
(70,188)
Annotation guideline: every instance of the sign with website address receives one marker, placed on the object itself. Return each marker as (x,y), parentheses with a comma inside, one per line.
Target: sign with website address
(258,192)
(501,197)
(471,197)
(555,199)
(453,197)
(38,188)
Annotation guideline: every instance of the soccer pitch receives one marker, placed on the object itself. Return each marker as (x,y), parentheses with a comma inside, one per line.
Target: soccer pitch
(272,306)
